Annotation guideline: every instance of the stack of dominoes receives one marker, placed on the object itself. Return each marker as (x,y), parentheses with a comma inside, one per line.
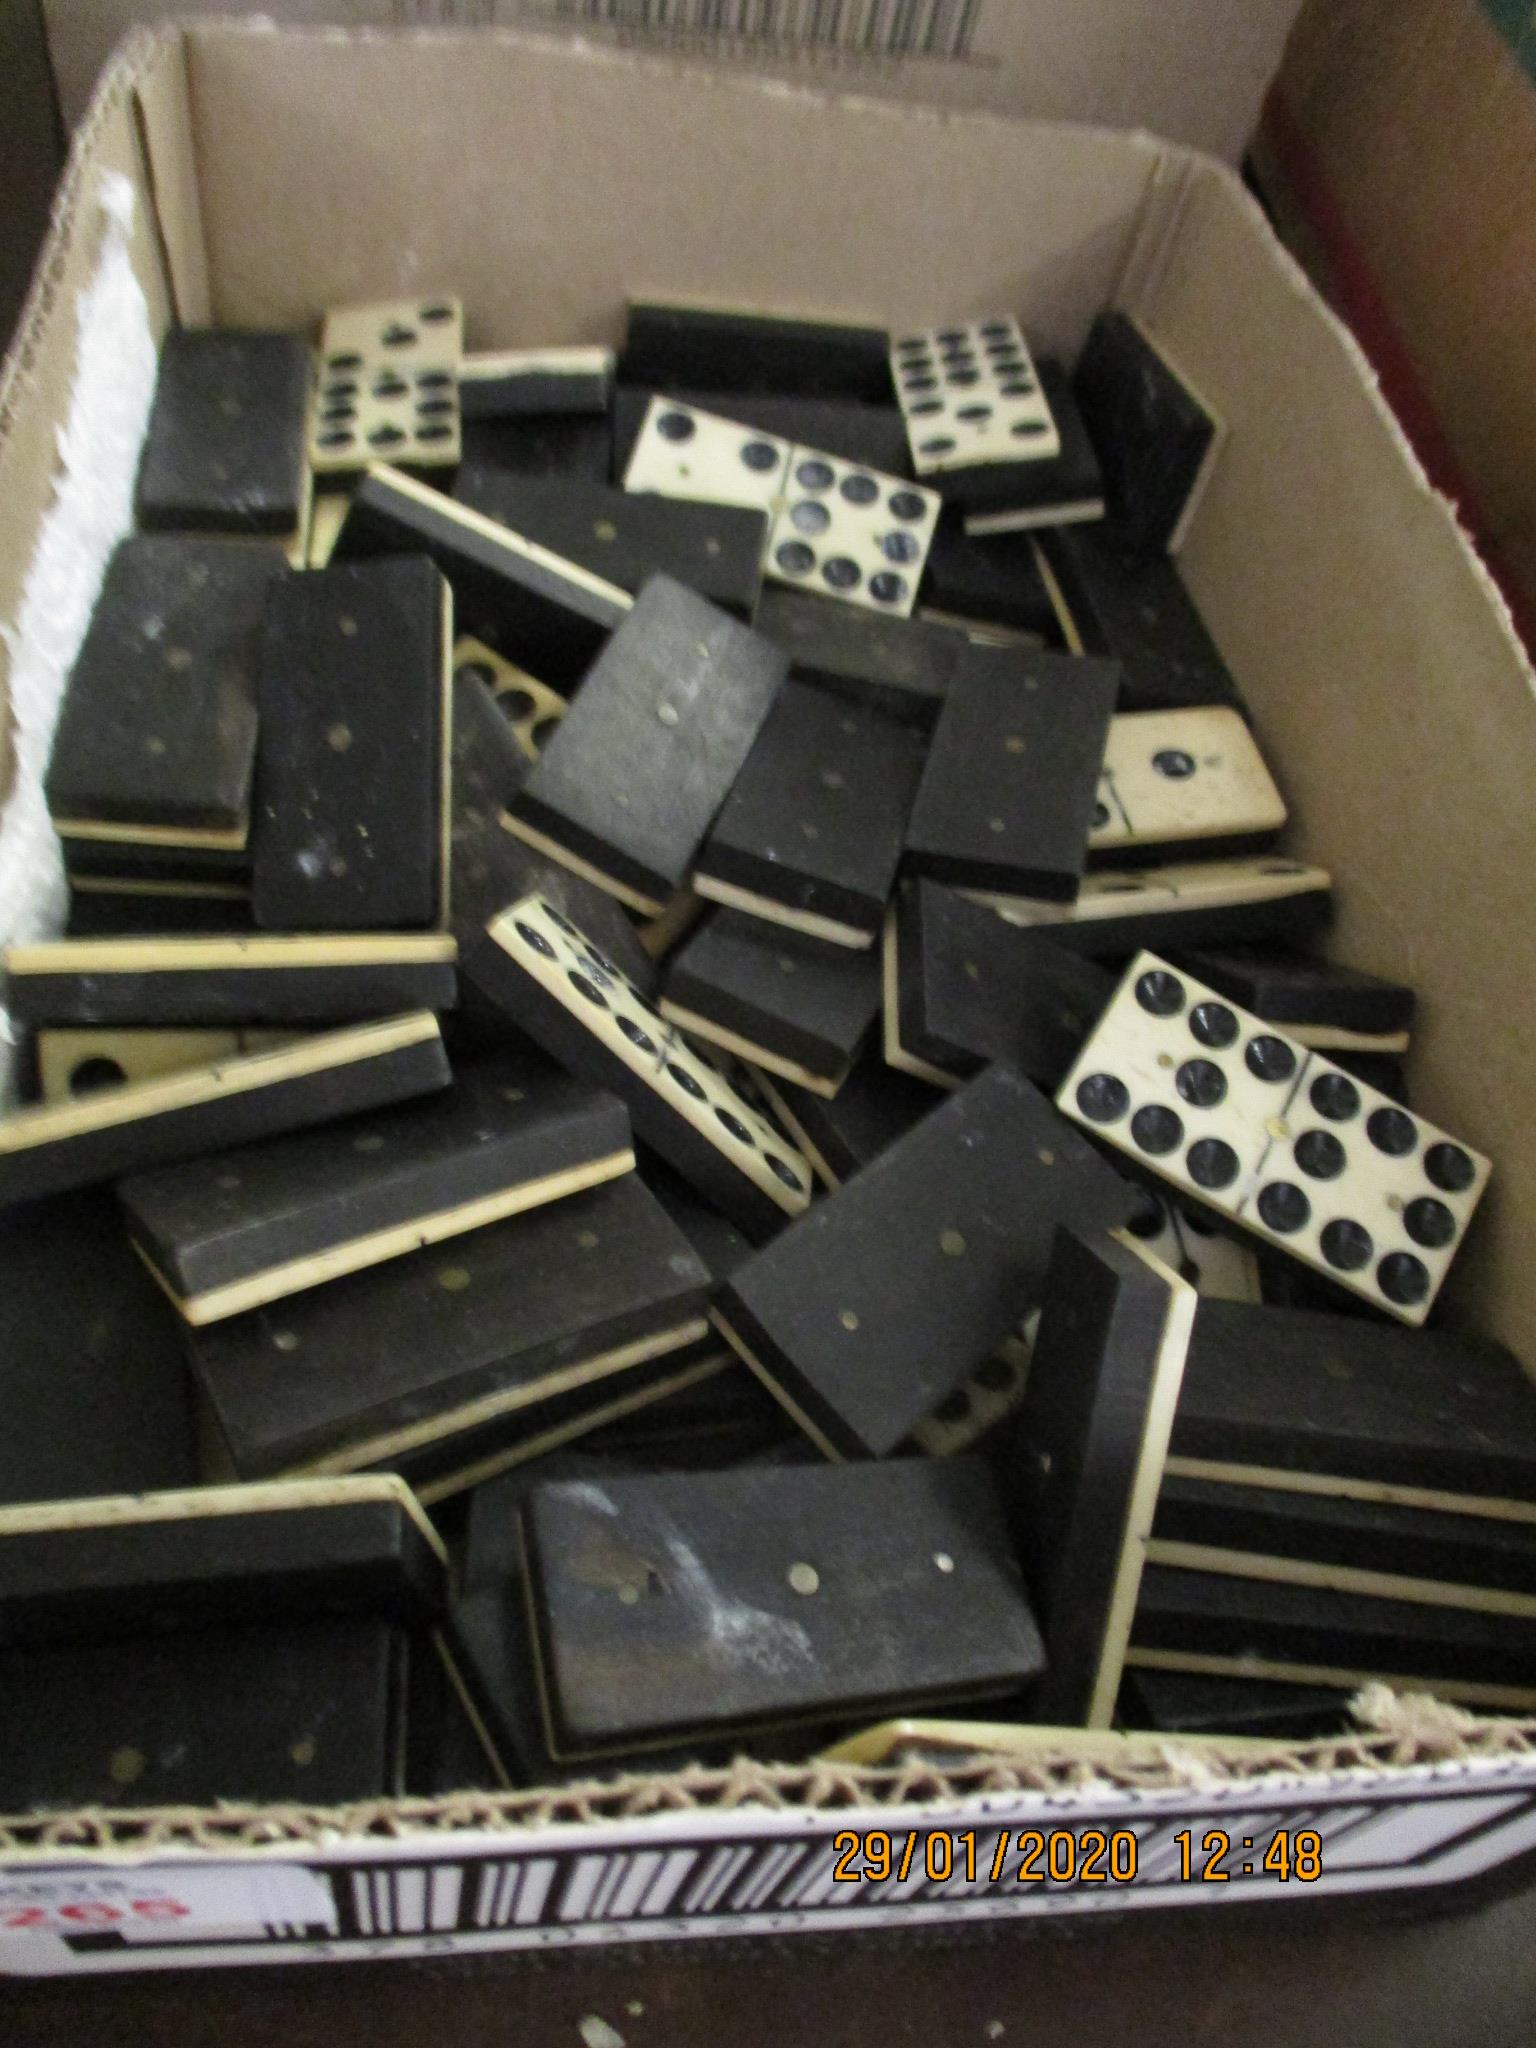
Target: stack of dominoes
(687,1104)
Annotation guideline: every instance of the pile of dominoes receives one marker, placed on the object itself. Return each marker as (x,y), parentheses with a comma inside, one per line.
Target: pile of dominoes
(690,1105)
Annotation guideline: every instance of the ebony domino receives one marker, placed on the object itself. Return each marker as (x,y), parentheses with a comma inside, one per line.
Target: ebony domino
(492,867)
(1084,1458)
(1140,613)
(1155,437)
(224,451)
(627,787)
(1186,1703)
(577,446)
(92,1378)
(435,1364)
(351,827)
(732,1599)
(901,667)
(874,1106)
(716,550)
(1276,1137)
(265,979)
(793,1006)
(995,581)
(544,974)
(868,1311)
(1007,796)
(298,1712)
(516,383)
(242,1228)
(104,907)
(1327,1404)
(1321,1003)
(962,987)
(118,1130)
(1350,1545)
(1224,1625)
(156,740)
(1183,778)
(555,615)
(1118,910)
(88,1570)
(811,833)
(726,350)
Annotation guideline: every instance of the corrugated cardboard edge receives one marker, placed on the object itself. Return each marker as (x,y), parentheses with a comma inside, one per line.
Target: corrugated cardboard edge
(1424,1735)
(142,120)
(36,373)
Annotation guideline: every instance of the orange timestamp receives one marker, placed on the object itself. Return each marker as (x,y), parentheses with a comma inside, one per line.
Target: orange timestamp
(1030,1856)
(1068,1856)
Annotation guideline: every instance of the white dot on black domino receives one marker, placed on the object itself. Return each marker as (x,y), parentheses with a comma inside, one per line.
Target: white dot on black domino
(1276,1137)
(850,533)
(971,394)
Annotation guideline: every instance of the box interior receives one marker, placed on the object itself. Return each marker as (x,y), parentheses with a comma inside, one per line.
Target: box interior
(291,170)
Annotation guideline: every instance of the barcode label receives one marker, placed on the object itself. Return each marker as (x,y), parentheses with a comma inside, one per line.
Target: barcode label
(943,29)
(776,1873)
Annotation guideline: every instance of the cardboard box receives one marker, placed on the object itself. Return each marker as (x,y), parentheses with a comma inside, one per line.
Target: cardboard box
(1398,147)
(1123,62)
(1365,635)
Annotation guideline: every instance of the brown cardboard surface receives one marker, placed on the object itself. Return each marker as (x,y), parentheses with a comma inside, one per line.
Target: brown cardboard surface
(163,108)
(1415,128)
(692,182)
(1127,63)
(1389,690)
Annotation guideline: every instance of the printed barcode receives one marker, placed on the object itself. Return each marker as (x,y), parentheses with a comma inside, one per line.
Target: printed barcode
(945,29)
(603,1887)
(780,1881)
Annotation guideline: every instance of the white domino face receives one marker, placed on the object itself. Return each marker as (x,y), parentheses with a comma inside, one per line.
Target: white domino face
(1276,1137)
(388,386)
(996,1387)
(1182,775)
(684,453)
(407,332)
(850,533)
(1190,1244)
(971,394)
(1195,885)
(606,1003)
(530,707)
(834,527)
